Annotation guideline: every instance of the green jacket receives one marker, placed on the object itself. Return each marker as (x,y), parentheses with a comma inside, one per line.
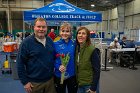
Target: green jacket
(87,66)
(84,68)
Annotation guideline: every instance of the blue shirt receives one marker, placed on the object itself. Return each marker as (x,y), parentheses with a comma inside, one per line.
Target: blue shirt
(123,44)
(130,44)
(35,63)
(63,47)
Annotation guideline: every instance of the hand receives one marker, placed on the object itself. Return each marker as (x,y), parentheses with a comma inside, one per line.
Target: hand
(90,91)
(28,87)
(62,68)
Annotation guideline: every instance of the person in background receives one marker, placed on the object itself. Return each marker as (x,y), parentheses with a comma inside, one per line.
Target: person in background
(57,38)
(27,34)
(65,46)
(123,42)
(52,34)
(19,35)
(87,62)
(35,60)
(18,39)
(115,44)
(130,44)
(1,40)
(127,56)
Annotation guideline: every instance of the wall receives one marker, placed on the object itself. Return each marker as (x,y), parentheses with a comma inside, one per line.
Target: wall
(131,19)
(14,13)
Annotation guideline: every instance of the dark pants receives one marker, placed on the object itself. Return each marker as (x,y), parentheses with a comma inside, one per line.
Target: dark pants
(44,87)
(70,83)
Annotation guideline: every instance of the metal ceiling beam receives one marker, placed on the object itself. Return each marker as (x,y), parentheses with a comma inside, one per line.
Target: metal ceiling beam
(100,5)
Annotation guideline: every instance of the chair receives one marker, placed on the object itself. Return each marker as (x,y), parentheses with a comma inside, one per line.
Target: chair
(133,60)
(125,59)
(115,58)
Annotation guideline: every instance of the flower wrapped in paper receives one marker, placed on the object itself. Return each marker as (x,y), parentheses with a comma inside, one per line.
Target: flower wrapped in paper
(64,61)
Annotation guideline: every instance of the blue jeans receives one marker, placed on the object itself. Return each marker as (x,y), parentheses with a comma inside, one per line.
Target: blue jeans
(97,90)
(83,89)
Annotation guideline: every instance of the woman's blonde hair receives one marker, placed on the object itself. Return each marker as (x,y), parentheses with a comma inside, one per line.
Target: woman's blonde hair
(65,24)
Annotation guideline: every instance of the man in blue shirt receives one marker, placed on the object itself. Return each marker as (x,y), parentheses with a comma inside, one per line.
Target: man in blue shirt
(130,44)
(123,42)
(35,60)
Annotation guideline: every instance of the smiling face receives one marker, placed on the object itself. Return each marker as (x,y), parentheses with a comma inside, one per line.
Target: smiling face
(81,36)
(65,31)
(40,29)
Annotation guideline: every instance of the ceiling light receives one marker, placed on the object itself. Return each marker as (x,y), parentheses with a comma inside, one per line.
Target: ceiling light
(92,5)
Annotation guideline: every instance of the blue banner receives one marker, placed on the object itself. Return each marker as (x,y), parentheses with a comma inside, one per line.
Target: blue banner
(61,10)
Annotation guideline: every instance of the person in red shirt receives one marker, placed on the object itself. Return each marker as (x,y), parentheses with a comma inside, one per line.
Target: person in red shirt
(52,34)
